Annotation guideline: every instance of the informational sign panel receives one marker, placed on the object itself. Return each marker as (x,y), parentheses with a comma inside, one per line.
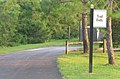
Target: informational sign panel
(99,18)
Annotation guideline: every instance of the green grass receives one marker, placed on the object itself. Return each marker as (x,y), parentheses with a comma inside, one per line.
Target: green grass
(4,50)
(75,66)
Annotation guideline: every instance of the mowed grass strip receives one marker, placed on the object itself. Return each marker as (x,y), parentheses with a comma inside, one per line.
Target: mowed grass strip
(5,50)
(75,66)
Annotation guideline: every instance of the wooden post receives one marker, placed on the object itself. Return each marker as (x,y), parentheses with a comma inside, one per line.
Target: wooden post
(80,30)
(104,46)
(85,32)
(66,47)
(111,57)
(69,32)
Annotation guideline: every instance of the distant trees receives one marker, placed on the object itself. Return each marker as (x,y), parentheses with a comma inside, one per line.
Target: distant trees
(37,21)
(32,27)
(116,24)
(116,31)
(9,12)
(27,21)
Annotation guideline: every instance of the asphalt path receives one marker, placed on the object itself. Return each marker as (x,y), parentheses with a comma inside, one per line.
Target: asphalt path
(31,64)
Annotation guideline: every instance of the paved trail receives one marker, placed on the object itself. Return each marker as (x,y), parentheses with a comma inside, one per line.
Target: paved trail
(31,64)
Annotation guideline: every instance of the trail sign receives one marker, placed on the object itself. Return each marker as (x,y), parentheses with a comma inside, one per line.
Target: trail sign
(99,18)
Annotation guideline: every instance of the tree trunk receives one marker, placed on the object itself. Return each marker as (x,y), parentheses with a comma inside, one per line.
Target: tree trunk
(111,57)
(85,32)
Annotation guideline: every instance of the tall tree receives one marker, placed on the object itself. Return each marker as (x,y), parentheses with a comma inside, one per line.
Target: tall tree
(85,29)
(9,12)
(85,32)
(32,27)
(111,57)
(59,17)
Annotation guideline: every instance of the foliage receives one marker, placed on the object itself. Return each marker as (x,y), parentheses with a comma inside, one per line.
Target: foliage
(32,28)
(116,32)
(8,22)
(37,21)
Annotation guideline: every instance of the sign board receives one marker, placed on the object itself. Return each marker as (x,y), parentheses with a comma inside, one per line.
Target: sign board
(99,18)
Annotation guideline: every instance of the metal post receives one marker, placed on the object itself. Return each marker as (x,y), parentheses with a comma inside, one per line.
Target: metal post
(91,39)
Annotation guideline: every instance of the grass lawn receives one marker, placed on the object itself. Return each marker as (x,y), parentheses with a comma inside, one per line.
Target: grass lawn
(4,50)
(75,66)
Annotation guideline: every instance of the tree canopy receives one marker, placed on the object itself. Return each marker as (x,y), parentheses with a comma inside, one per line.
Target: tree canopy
(37,21)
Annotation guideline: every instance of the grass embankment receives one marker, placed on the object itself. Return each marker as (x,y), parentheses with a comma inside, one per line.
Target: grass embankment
(4,50)
(75,66)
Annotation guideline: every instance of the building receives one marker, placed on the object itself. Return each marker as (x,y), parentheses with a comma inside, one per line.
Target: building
(97,34)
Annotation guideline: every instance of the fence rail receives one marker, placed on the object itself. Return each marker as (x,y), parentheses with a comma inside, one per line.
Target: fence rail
(78,43)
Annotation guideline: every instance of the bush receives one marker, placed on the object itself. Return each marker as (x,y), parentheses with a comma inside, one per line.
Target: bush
(116,32)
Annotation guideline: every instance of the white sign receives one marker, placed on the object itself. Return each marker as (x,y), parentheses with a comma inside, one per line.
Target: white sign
(99,18)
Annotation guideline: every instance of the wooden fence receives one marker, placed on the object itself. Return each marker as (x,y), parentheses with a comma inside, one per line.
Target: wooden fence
(78,43)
